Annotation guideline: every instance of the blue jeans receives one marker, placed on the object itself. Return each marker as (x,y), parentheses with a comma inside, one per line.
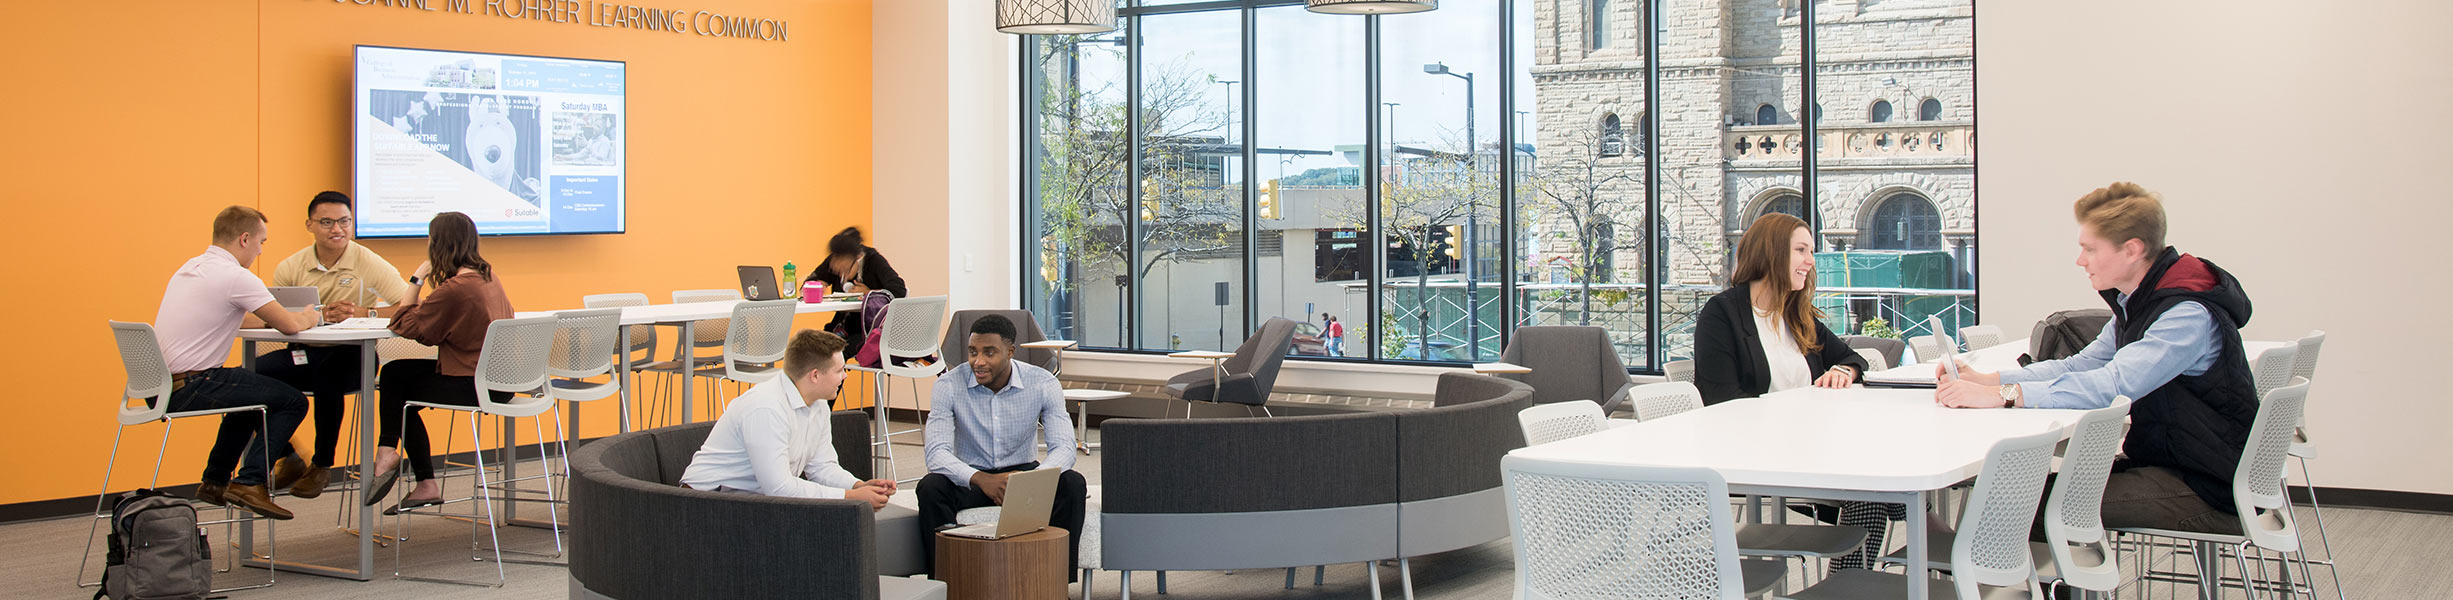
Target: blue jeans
(228,387)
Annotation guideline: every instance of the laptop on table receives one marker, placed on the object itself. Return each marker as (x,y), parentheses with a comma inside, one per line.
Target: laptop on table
(1029,497)
(758,283)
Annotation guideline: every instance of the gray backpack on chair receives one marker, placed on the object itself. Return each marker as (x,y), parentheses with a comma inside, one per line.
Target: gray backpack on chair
(156,549)
(2065,333)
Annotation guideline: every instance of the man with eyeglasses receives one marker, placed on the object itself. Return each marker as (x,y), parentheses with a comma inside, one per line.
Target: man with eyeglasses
(348,280)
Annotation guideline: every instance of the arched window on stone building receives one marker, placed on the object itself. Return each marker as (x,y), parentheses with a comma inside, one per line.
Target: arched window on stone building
(1791,204)
(1903,221)
(1766,115)
(1881,113)
(1930,110)
(1613,138)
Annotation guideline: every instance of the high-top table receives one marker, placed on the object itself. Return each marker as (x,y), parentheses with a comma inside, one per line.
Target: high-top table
(365,340)
(685,315)
(1878,445)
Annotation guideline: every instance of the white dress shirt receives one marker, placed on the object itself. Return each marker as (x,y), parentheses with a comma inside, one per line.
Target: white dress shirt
(971,429)
(771,442)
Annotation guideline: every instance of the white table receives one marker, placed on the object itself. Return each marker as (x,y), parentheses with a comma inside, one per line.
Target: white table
(365,340)
(686,315)
(2002,357)
(1501,368)
(1878,445)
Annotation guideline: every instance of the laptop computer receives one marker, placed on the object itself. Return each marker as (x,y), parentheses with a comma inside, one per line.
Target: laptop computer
(758,283)
(294,297)
(1029,497)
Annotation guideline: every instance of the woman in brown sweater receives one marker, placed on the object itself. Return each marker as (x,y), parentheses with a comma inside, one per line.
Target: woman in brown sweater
(453,319)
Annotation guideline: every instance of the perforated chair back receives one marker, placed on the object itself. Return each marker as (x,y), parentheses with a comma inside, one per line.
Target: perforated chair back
(2304,364)
(140,354)
(1979,337)
(641,338)
(709,333)
(1656,400)
(1678,370)
(514,360)
(760,331)
(2075,526)
(1992,547)
(913,329)
(583,342)
(1924,347)
(2273,368)
(1585,530)
(1545,423)
(1873,359)
(2257,487)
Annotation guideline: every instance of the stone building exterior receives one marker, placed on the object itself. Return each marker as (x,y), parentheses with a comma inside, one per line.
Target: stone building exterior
(1896,84)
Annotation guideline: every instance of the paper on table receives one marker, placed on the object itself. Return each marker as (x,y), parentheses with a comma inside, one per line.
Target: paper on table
(363,323)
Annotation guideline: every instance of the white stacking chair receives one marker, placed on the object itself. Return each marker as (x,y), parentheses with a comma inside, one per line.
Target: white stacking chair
(2304,365)
(705,334)
(2077,553)
(641,351)
(1678,370)
(1657,400)
(2266,521)
(1991,547)
(584,345)
(1873,359)
(1585,530)
(1924,347)
(1979,337)
(754,342)
(140,354)
(2273,368)
(912,330)
(514,360)
(1546,423)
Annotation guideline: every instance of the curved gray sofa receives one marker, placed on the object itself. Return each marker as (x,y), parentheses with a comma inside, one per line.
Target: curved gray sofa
(1221,494)
(636,533)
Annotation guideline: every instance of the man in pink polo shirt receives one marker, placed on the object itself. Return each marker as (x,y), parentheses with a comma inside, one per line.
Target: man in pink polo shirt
(202,308)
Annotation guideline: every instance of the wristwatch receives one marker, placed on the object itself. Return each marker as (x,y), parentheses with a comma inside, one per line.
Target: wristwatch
(2011,396)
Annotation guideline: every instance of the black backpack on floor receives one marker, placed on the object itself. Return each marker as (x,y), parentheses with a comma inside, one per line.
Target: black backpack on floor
(157,551)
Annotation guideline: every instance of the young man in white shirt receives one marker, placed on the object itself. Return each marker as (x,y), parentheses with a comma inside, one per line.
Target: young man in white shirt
(202,308)
(777,439)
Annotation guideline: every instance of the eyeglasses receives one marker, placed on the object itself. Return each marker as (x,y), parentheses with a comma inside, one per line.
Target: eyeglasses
(331,223)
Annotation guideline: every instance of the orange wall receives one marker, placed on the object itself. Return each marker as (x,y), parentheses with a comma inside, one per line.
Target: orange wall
(146,118)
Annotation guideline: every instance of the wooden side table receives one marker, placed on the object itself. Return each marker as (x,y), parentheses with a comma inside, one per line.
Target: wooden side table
(1030,566)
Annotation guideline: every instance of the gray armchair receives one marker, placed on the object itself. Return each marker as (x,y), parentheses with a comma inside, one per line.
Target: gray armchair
(1577,363)
(1026,330)
(1249,376)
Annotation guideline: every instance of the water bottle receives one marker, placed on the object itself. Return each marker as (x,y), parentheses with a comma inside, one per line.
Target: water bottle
(791,274)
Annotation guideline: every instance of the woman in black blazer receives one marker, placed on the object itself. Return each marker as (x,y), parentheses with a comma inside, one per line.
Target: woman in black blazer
(1748,343)
(1773,285)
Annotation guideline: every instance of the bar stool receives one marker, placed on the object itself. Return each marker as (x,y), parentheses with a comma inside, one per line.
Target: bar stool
(513,362)
(910,333)
(140,353)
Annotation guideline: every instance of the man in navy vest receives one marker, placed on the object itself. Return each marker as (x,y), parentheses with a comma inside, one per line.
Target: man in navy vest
(2173,344)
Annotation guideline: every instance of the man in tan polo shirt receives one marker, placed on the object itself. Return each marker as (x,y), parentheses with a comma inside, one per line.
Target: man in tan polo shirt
(349,280)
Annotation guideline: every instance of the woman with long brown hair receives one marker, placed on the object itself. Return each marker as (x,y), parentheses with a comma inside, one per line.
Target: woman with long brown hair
(453,318)
(1763,334)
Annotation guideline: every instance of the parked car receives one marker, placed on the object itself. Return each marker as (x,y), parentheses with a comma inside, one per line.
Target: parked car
(1309,342)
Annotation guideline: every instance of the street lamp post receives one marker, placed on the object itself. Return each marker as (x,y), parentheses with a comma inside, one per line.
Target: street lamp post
(1473,291)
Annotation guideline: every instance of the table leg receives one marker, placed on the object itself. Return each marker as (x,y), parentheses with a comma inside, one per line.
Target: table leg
(1917,571)
(366,456)
(688,352)
(622,378)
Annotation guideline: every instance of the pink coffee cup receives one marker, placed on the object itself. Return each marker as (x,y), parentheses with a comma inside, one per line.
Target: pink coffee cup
(813,292)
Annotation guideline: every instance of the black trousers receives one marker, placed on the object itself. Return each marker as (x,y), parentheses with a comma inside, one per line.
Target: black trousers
(416,379)
(941,498)
(330,376)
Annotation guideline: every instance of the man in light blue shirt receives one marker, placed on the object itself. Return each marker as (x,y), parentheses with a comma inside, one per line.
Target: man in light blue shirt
(2173,345)
(982,421)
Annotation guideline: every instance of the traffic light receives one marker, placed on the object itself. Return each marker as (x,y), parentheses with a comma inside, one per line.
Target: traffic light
(1456,239)
(1149,201)
(1269,200)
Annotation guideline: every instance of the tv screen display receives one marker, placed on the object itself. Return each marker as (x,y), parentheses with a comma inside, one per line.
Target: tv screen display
(525,145)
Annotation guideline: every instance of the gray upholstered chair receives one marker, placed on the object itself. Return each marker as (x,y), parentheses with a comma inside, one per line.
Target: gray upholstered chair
(1026,330)
(1576,363)
(1449,494)
(1890,349)
(1248,376)
(636,534)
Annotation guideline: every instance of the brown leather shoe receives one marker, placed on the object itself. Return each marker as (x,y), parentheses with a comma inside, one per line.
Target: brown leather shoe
(311,484)
(211,493)
(254,498)
(287,471)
